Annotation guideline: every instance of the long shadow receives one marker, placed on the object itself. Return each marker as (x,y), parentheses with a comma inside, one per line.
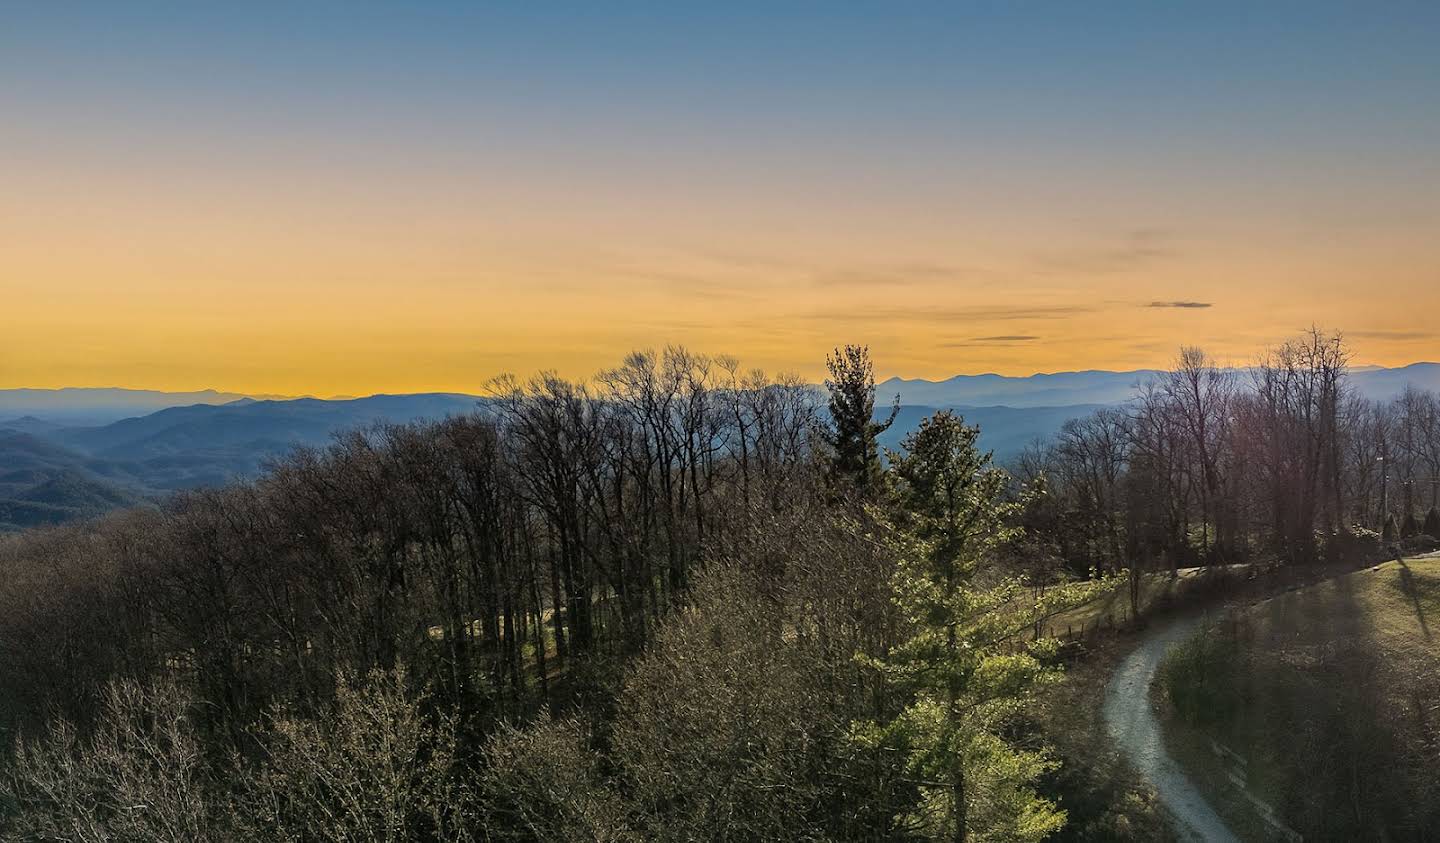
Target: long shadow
(1407,584)
(1318,719)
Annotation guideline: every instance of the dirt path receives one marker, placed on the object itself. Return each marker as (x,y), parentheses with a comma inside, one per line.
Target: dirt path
(1133,725)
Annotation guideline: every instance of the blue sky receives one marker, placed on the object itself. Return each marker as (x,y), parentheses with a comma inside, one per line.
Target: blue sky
(519,164)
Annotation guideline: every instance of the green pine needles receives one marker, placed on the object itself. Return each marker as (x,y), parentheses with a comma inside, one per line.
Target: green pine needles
(961,672)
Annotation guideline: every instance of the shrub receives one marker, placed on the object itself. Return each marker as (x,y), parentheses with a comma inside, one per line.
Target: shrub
(1198,677)
(378,768)
(1351,545)
(140,776)
(723,730)
(544,782)
(1409,527)
(1420,543)
(1432,522)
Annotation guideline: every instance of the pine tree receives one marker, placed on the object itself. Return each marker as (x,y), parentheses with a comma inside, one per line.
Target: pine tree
(853,431)
(1390,531)
(1432,523)
(961,676)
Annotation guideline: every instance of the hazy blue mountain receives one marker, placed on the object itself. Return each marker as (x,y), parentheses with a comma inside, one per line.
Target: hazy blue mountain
(44,483)
(1380,384)
(254,428)
(1004,430)
(1100,387)
(1045,390)
(209,445)
(53,469)
(50,474)
(21,451)
(78,405)
(30,424)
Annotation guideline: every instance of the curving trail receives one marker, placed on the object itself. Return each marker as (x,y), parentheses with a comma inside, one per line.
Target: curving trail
(1133,726)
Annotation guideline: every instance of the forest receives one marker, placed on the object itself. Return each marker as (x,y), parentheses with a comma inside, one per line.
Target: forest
(680,600)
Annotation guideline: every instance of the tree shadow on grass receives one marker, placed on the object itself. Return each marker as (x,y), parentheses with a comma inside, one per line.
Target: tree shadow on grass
(1328,714)
(1412,588)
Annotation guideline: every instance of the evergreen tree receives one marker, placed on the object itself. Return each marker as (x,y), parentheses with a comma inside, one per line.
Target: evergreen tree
(1409,527)
(1390,531)
(1432,523)
(853,431)
(962,678)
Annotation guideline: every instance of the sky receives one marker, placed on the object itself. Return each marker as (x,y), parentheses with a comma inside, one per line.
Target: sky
(348,198)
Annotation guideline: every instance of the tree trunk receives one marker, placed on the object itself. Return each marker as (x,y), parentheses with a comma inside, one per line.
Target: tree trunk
(957,805)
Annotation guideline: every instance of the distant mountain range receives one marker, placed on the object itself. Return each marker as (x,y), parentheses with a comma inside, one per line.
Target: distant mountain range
(1102,387)
(73,453)
(83,405)
(51,472)
(1004,430)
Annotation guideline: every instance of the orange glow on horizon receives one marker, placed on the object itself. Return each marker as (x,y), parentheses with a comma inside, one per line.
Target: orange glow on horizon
(317,299)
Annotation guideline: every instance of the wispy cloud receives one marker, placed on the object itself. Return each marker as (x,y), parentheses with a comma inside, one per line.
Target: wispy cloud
(939,315)
(898,275)
(1185,305)
(995,341)
(1392,335)
(1137,248)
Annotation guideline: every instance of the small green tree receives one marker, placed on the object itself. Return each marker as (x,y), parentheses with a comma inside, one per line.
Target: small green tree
(1432,523)
(962,669)
(853,431)
(1409,527)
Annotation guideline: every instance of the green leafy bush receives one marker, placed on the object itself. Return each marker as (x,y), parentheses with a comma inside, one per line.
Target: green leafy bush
(1198,678)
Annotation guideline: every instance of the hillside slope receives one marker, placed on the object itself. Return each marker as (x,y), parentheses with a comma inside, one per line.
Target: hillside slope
(51,474)
(255,428)
(1322,702)
(44,483)
(81,405)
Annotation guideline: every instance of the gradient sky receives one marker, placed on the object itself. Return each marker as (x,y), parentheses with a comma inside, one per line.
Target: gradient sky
(353,197)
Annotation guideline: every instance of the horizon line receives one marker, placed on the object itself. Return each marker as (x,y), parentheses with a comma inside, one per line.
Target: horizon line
(266,396)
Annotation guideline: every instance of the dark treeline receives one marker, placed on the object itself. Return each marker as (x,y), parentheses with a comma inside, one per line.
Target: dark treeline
(1212,464)
(556,525)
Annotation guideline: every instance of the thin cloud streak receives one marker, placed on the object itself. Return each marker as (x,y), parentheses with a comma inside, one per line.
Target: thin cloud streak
(1001,341)
(933,315)
(1393,335)
(1139,248)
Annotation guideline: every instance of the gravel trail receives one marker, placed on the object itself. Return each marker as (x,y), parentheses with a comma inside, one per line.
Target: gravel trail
(1133,725)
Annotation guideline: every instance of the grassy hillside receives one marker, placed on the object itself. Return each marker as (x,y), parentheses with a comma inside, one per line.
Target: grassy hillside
(1323,704)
